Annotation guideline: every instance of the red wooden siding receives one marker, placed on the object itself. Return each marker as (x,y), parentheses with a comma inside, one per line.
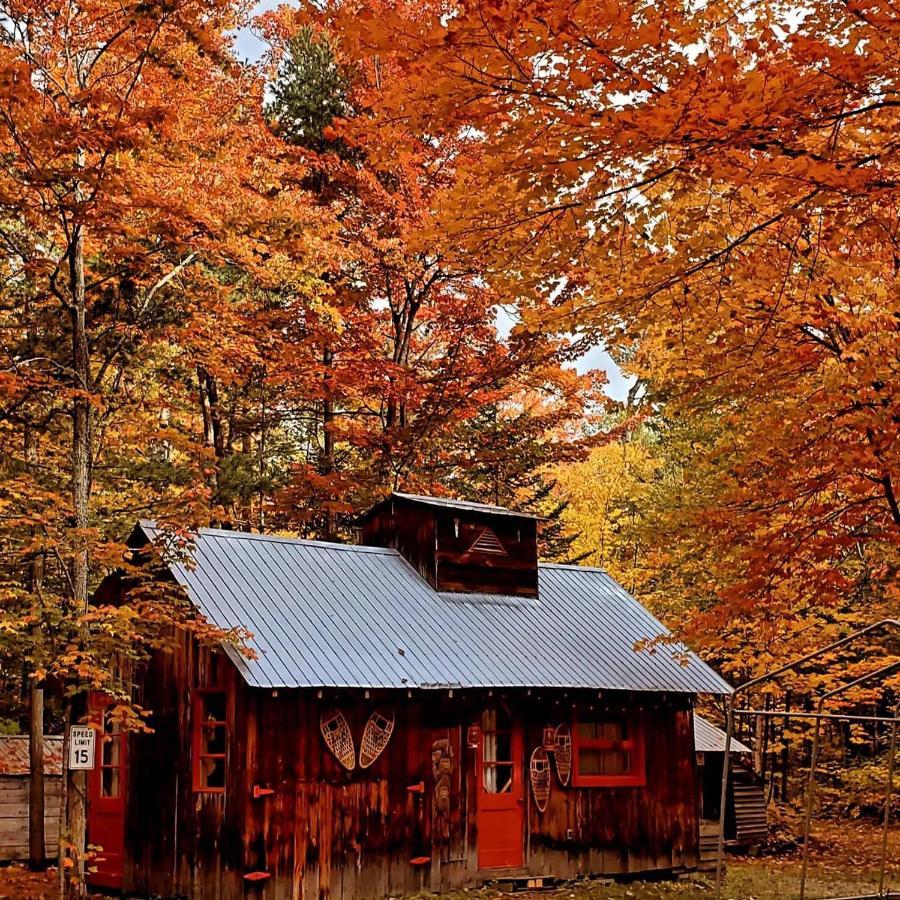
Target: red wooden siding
(324,832)
(459,549)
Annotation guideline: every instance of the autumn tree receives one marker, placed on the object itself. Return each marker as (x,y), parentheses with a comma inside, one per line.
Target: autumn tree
(715,196)
(413,358)
(135,170)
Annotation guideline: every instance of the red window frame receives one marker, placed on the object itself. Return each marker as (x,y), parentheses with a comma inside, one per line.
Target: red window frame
(633,744)
(199,723)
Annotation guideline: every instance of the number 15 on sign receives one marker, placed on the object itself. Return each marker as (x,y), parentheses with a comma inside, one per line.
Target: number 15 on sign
(82,744)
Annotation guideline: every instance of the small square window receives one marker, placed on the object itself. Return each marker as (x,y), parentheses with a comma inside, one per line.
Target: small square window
(608,753)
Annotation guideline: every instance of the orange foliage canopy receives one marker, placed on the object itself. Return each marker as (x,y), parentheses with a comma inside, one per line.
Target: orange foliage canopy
(715,192)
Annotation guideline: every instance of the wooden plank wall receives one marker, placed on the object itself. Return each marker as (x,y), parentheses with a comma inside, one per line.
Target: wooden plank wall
(438,544)
(459,568)
(326,833)
(14,815)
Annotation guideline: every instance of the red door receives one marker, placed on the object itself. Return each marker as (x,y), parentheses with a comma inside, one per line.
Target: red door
(501,798)
(106,797)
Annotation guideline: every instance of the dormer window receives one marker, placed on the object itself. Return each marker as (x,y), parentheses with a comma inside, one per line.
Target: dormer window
(458,546)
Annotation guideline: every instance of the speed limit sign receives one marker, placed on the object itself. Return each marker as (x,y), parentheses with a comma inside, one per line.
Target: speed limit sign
(82,744)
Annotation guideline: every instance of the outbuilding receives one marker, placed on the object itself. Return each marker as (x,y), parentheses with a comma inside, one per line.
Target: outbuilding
(745,810)
(15,787)
(430,709)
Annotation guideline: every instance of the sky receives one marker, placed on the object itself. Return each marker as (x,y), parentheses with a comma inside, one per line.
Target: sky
(250,48)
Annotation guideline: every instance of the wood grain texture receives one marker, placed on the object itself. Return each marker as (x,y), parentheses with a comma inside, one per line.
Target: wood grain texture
(14,790)
(443,546)
(327,832)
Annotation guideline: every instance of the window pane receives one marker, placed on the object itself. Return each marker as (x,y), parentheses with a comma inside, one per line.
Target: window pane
(214,706)
(504,746)
(213,773)
(213,739)
(497,778)
(603,762)
(616,762)
(612,731)
(609,730)
(110,751)
(109,782)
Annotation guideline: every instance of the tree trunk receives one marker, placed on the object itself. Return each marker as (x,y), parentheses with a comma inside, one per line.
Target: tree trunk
(63,818)
(37,852)
(213,428)
(82,452)
(327,463)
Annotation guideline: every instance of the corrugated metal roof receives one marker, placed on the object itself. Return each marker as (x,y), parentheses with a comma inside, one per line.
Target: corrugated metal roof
(449,503)
(335,615)
(710,739)
(14,752)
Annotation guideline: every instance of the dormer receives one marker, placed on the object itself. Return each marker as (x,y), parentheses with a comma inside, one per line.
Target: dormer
(458,546)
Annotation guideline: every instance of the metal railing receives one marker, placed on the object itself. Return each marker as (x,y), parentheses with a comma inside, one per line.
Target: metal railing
(818,716)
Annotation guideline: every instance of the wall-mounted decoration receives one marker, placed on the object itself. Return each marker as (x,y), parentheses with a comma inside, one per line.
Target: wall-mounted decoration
(540,777)
(442,767)
(375,737)
(338,737)
(473,737)
(562,753)
(549,741)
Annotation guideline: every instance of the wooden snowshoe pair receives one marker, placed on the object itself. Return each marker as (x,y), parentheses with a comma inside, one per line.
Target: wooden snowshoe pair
(339,738)
(541,776)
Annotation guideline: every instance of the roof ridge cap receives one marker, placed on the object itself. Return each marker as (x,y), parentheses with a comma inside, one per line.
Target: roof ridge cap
(275,538)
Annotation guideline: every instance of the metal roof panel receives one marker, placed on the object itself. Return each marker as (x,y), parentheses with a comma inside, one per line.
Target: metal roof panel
(336,615)
(709,738)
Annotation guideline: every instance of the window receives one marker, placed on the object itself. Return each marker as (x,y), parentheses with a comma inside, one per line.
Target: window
(608,753)
(498,769)
(210,740)
(111,758)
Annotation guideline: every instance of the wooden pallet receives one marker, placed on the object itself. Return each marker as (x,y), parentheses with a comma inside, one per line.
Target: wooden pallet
(751,826)
(709,846)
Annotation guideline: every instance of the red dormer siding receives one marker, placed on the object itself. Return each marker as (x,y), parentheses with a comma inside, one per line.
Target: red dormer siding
(458,547)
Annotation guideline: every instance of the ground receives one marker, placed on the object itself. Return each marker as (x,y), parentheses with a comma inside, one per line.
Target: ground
(844,862)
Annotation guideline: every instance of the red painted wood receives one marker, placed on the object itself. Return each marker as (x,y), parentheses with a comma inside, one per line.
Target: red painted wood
(501,815)
(634,745)
(106,798)
(257,876)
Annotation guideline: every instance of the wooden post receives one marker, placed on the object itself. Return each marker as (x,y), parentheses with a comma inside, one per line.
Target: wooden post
(37,851)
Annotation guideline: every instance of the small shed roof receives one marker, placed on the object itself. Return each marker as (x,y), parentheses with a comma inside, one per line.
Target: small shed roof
(14,751)
(447,503)
(336,615)
(710,739)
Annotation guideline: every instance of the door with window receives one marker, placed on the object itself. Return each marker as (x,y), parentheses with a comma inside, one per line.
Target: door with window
(501,797)
(106,795)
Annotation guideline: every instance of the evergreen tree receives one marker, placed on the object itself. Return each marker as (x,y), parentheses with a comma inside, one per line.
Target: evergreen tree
(310,91)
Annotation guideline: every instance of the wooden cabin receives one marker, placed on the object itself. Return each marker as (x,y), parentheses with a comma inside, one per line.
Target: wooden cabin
(429,710)
(15,785)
